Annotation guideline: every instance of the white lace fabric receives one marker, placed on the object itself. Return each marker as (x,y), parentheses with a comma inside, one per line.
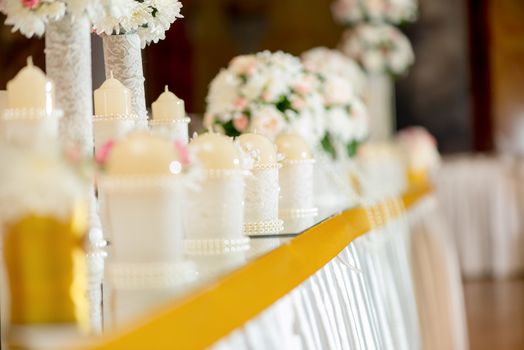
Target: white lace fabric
(123,57)
(68,65)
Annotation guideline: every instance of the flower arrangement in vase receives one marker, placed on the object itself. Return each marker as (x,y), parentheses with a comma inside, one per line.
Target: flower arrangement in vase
(265,93)
(346,121)
(127,28)
(392,11)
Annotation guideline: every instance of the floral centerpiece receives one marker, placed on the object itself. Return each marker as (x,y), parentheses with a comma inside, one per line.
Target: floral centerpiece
(392,11)
(265,93)
(345,115)
(379,48)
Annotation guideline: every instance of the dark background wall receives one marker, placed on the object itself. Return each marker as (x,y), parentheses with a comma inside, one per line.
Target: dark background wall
(467,80)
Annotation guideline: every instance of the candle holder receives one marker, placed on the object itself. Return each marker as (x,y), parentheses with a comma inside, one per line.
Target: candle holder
(174,129)
(262,187)
(112,127)
(123,57)
(44,222)
(297,202)
(28,126)
(68,64)
(215,210)
(142,196)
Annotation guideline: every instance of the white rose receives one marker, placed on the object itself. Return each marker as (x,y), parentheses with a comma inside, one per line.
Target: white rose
(267,121)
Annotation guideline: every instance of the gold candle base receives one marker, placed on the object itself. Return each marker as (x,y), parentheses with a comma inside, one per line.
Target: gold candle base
(45,266)
(417,177)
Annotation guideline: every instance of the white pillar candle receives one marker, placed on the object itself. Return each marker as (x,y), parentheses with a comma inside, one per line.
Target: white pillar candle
(296,177)
(141,200)
(168,106)
(262,188)
(112,98)
(169,117)
(30,89)
(215,209)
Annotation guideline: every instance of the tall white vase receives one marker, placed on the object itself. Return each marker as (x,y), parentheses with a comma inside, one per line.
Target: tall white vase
(123,57)
(68,65)
(380,99)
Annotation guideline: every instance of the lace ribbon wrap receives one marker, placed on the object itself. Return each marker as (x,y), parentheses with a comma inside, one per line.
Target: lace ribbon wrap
(215,209)
(174,129)
(261,202)
(297,202)
(123,57)
(68,65)
(112,127)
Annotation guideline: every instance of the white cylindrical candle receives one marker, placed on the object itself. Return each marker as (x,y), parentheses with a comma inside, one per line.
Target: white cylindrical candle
(142,198)
(262,188)
(112,98)
(30,89)
(169,117)
(168,107)
(214,225)
(296,178)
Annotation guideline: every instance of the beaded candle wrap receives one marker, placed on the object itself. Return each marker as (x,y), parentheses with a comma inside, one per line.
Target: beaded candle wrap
(169,117)
(214,236)
(297,202)
(29,115)
(141,198)
(43,211)
(114,112)
(262,188)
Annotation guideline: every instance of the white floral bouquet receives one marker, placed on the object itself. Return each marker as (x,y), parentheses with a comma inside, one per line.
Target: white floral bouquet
(151,19)
(379,48)
(392,11)
(267,93)
(30,17)
(420,147)
(345,116)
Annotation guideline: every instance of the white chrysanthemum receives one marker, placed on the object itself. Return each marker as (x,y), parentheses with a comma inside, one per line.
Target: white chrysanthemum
(327,61)
(392,11)
(32,21)
(379,48)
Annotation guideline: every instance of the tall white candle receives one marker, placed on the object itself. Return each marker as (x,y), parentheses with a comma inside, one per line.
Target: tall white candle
(30,89)
(168,106)
(112,98)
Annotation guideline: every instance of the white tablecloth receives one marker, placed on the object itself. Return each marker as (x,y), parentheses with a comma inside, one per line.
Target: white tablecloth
(483,201)
(365,297)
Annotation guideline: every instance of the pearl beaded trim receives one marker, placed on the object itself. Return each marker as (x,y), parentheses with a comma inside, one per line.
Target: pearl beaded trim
(151,275)
(263,227)
(153,122)
(29,114)
(116,117)
(267,166)
(215,246)
(298,213)
(298,161)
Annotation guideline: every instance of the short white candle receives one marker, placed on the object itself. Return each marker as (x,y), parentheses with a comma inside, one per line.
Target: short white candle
(30,89)
(168,106)
(112,98)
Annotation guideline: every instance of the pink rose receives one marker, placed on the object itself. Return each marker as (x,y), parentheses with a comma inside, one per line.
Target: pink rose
(240,123)
(183,153)
(240,103)
(103,153)
(30,4)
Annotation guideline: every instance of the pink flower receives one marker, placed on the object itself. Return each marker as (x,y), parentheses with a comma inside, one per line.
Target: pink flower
(183,153)
(103,153)
(240,103)
(240,123)
(30,4)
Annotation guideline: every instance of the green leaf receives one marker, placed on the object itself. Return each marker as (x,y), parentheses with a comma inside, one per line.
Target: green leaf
(327,145)
(351,148)
(229,129)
